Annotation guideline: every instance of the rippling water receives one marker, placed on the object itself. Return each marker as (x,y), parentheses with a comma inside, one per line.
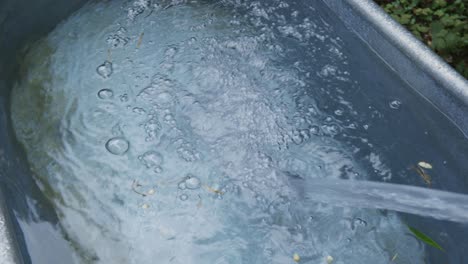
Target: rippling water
(177,132)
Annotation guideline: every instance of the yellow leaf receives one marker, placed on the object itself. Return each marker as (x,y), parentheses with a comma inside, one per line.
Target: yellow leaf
(296,257)
(425,165)
(208,188)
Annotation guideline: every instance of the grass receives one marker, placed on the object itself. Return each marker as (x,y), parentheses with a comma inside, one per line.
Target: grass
(440,24)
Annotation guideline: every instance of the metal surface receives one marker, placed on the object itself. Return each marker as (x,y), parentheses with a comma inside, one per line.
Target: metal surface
(7,253)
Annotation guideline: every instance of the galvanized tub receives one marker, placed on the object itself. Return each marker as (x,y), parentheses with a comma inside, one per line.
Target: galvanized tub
(28,234)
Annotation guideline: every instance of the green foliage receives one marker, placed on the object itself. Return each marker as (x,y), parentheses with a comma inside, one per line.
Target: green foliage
(441,24)
(424,238)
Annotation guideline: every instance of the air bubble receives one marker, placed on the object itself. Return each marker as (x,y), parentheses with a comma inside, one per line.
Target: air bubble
(339,112)
(181,185)
(168,117)
(187,155)
(151,159)
(192,40)
(124,98)
(314,130)
(395,104)
(117,145)
(192,182)
(152,128)
(105,94)
(138,110)
(105,70)
(358,222)
(183,197)
(296,137)
(158,169)
(164,99)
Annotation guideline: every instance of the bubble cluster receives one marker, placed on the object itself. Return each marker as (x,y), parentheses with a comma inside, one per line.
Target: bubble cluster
(151,159)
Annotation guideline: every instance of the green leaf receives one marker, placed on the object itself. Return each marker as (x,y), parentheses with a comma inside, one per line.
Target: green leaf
(423,11)
(448,20)
(460,66)
(424,238)
(436,27)
(439,43)
(440,3)
(451,39)
(404,19)
(417,34)
(439,13)
(422,29)
(465,38)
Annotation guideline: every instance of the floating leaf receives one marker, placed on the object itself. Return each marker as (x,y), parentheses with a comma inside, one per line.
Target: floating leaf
(424,238)
(425,165)
(296,257)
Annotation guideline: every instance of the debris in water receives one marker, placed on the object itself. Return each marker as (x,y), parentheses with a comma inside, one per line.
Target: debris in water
(329,259)
(426,177)
(136,185)
(199,204)
(145,206)
(140,39)
(296,257)
(394,257)
(424,238)
(208,188)
(425,165)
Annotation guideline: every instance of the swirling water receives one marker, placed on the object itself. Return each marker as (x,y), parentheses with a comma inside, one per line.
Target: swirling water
(178,131)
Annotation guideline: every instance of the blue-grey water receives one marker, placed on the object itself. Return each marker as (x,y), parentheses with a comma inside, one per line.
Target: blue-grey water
(227,132)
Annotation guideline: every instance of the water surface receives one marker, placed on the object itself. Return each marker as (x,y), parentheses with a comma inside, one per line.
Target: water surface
(192,131)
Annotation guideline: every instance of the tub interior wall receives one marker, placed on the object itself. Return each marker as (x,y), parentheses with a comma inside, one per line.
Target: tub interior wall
(29,212)
(412,61)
